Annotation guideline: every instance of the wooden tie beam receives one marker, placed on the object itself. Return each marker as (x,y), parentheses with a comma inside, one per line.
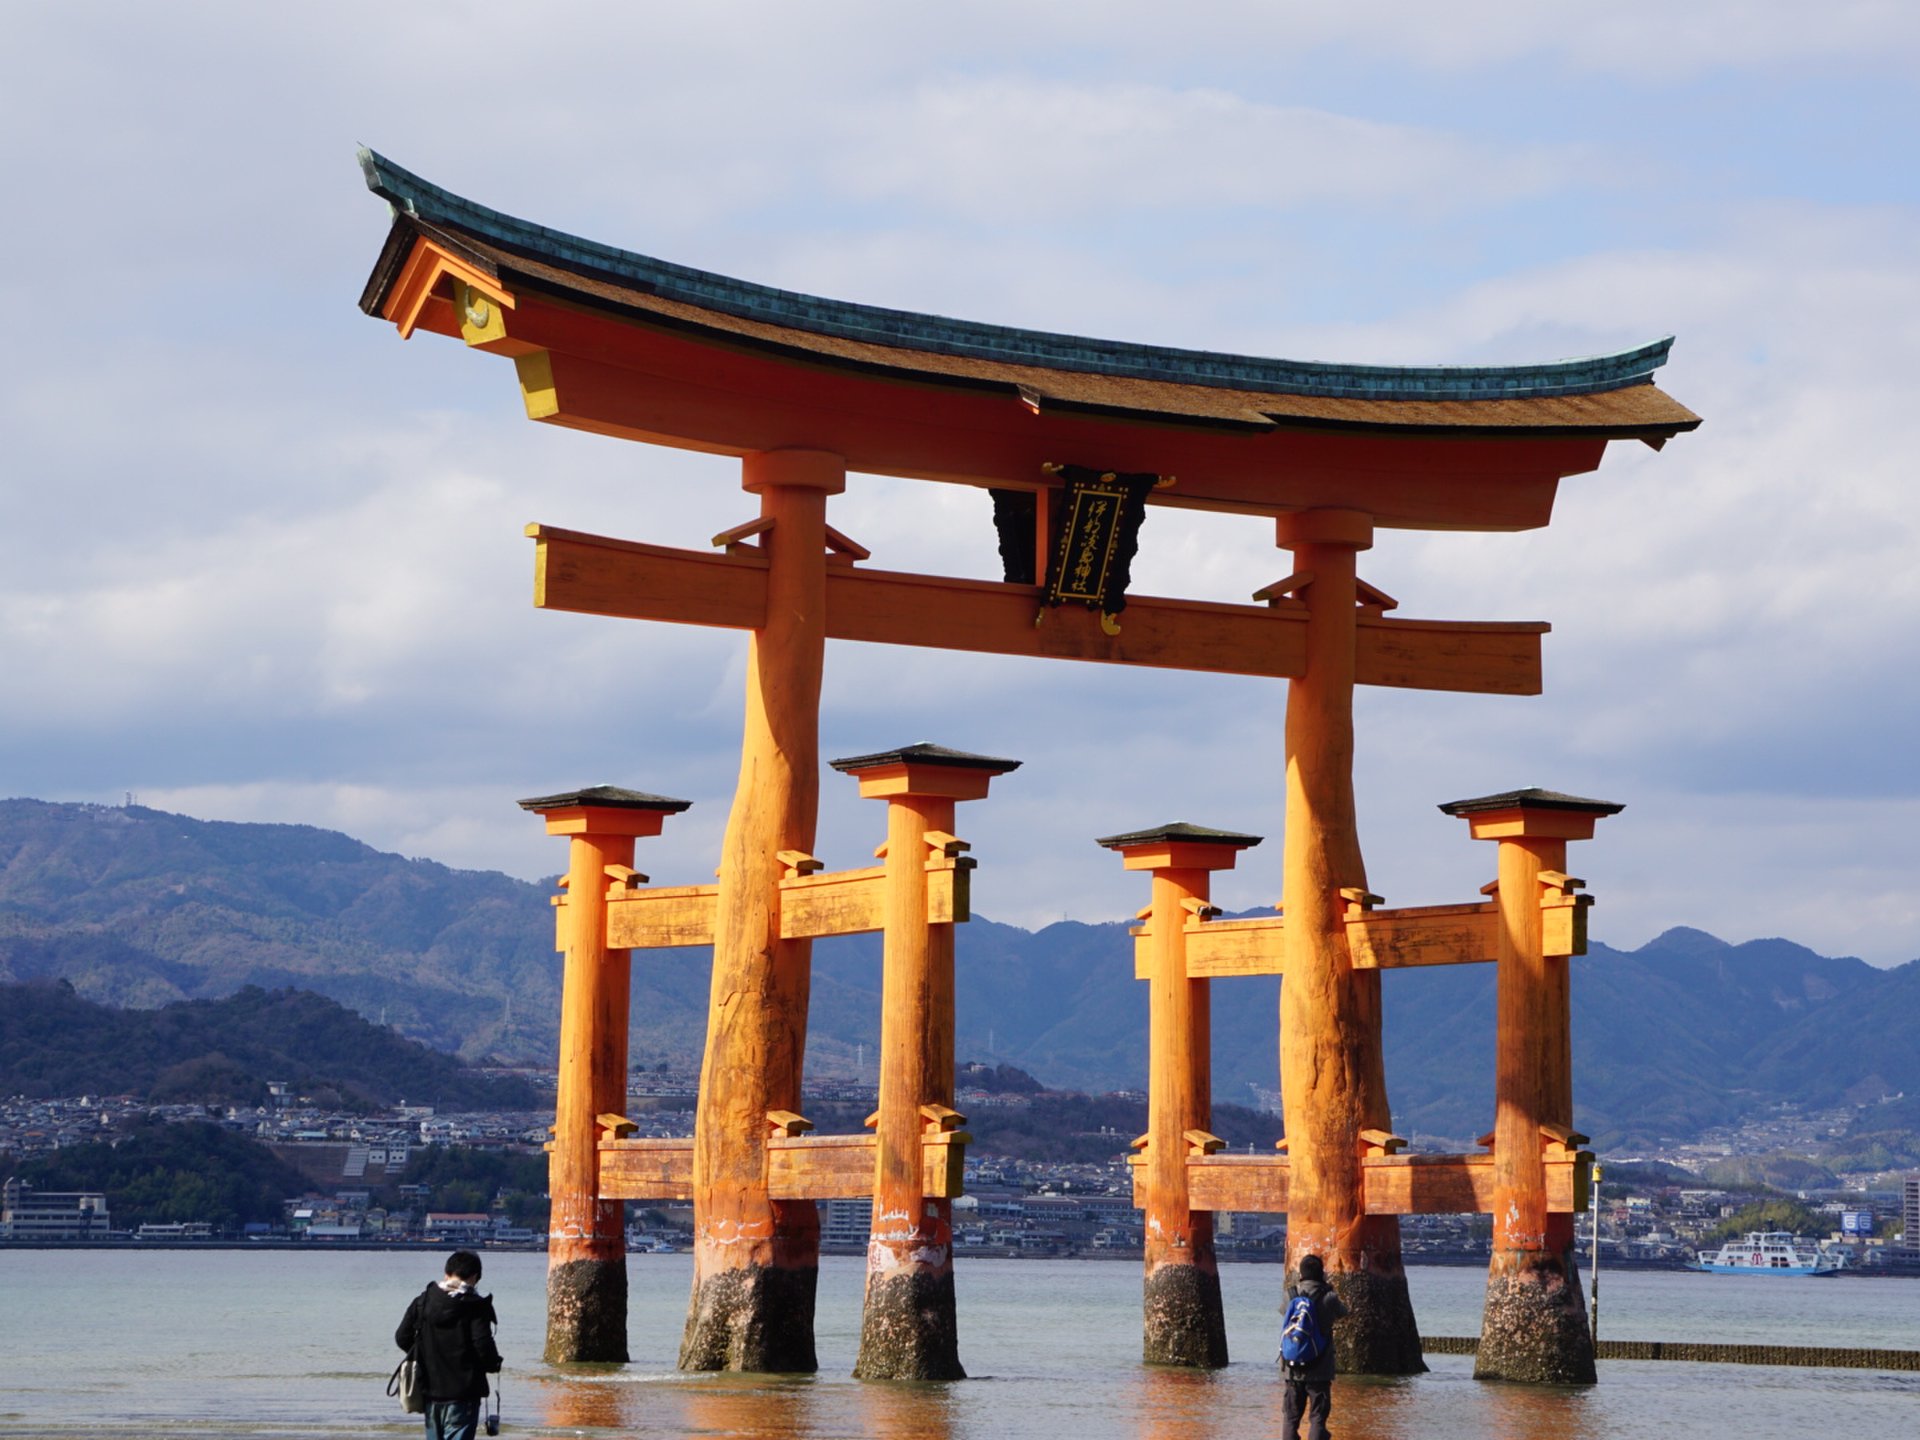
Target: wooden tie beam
(595,575)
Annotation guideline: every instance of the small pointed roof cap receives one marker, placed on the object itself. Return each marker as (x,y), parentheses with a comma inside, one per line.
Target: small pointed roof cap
(1531,799)
(606,797)
(924,753)
(1179,833)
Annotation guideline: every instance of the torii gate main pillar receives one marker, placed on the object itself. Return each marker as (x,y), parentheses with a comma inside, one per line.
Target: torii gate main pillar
(757,1260)
(1332,1071)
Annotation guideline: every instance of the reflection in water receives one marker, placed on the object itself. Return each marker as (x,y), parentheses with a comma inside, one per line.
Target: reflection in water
(1380,1407)
(579,1397)
(905,1408)
(754,1407)
(1169,1403)
(1536,1412)
(618,1400)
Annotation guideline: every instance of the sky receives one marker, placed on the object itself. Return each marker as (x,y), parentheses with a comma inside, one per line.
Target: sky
(268,562)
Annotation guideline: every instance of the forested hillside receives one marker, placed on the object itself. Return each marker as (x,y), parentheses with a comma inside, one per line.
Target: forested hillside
(53,1042)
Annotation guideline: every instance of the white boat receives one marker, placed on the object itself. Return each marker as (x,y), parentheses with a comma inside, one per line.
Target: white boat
(1768,1252)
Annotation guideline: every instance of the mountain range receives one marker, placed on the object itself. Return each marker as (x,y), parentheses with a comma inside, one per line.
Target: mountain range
(138,908)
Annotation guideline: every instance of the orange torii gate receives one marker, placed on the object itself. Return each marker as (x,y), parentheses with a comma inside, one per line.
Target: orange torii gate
(804,390)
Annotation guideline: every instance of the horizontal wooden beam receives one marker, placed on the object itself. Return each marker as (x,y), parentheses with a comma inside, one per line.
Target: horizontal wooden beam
(1378,939)
(1424,935)
(594,575)
(841,902)
(652,1169)
(1394,1184)
(658,919)
(800,1167)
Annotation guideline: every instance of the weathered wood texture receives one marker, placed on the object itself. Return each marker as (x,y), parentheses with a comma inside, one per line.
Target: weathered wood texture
(599,576)
(755,1257)
(662,918)
(1333,1074)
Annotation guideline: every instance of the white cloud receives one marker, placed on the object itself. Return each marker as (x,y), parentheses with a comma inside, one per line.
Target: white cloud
(1006,149)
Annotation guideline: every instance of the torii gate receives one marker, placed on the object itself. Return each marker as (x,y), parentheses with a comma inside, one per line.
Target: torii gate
(805,390)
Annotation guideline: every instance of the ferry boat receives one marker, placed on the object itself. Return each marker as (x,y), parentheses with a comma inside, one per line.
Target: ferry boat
(1768,1252)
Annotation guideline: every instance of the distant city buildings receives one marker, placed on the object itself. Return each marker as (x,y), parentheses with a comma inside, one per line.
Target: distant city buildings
(30,1214)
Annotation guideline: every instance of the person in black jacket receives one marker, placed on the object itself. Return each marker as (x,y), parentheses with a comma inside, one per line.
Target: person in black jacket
(1309,1388)
(449,1326)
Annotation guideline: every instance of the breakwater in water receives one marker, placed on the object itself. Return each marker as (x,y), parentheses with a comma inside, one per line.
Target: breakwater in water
(1816,1357)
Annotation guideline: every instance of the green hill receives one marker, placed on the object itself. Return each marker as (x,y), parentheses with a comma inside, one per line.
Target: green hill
(53,1042)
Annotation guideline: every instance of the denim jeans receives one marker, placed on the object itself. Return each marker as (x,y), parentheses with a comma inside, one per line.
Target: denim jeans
(452,1419)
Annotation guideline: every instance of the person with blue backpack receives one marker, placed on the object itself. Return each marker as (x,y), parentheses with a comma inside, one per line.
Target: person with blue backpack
(1306,1350)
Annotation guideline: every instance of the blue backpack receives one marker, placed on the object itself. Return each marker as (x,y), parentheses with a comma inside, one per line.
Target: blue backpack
(1302,1341)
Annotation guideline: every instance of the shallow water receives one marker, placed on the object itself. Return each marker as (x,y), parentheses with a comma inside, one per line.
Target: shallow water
(275,1344)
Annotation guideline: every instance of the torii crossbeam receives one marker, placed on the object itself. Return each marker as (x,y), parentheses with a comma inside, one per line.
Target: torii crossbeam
(804,390)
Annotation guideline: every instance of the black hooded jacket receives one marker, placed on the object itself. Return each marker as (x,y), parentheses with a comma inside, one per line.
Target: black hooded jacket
(455,1337)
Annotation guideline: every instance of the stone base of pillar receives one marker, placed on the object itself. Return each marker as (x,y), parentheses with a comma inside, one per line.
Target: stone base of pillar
(759,1318)
(1534,1329)
(587,1311)
(1185,1324)
(1379,1335)
(908,1331)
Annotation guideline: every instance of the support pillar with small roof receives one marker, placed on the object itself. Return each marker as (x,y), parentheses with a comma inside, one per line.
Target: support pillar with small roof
(909,1329)
(586,1236)
(1534,1327)
(1184,1323)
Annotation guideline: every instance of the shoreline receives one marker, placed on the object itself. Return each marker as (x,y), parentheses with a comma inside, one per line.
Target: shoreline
(284,1245)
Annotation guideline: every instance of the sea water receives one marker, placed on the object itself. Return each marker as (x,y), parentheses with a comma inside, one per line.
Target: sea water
(272,1343)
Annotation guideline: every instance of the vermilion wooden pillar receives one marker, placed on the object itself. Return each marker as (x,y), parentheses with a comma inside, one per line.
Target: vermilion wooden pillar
(1332,1071)
(909,1330)
(1534,1327)
(586,1237)
(1183,1323)
(757,1260)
